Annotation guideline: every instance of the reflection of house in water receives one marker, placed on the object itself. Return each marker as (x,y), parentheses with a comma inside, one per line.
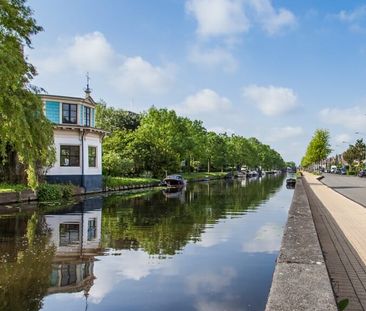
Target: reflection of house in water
(76,236)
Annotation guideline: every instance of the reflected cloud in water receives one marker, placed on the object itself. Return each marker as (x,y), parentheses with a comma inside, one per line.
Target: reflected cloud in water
(267,240)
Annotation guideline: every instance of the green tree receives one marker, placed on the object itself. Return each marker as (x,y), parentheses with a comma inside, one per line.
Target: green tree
(318,148)
(160,143)
(24,129)
(112,119)
(355,153)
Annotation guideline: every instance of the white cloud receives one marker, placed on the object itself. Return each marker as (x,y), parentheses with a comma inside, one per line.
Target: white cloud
(131,76)
(229,17)
(284,133)
(272,101)
(218,17)
(90,52)
(355,19)
(217,57)
(272,21)
(132,265)
(204,101)
(210,282)
(135,75)
(353,118)
(221,130)
(267,240)
(352,16)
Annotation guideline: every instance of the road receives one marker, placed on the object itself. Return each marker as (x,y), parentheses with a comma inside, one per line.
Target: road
(352,187)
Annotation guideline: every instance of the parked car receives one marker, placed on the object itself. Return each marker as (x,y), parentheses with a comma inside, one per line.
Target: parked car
(362,173)
(343,171)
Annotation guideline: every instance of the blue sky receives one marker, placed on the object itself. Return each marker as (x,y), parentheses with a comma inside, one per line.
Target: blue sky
(276,70)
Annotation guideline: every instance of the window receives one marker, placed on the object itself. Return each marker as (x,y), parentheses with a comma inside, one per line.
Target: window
(92,152)
(70,156)
(69,234)
(92,229)
(69,113)
(87,116)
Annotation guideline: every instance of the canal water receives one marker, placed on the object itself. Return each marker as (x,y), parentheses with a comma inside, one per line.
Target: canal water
(212,247)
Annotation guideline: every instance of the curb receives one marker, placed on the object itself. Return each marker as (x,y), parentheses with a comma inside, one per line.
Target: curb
(300,280)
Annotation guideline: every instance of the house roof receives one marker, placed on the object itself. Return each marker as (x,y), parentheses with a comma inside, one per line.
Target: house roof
(76,127)
(88,100)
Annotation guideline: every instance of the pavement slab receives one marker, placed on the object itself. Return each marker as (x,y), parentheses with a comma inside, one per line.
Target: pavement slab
(342,234)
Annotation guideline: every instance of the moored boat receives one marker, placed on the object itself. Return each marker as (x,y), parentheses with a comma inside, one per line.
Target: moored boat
(290,183)
(174,181)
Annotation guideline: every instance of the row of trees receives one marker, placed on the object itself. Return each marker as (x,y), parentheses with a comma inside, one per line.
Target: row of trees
(159,142)
(319,149)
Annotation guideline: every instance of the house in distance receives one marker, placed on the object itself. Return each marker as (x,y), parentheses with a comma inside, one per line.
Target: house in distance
(78,143)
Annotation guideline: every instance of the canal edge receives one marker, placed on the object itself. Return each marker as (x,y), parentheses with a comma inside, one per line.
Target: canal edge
(300,280)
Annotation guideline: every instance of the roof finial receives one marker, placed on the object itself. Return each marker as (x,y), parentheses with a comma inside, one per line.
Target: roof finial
(88,89)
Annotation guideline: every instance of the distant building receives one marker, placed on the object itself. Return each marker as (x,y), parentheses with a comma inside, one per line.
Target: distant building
(78,143)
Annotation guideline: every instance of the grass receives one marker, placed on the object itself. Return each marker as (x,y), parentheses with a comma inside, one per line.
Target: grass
(112,182)
(5,187)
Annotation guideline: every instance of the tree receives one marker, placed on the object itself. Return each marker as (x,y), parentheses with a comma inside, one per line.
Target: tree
(318,148)
(24,130)
(356,152)
(111,119)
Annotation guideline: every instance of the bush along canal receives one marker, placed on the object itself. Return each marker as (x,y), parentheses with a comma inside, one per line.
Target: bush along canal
(211,246)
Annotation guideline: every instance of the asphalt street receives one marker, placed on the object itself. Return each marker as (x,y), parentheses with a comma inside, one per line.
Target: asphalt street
(352,187)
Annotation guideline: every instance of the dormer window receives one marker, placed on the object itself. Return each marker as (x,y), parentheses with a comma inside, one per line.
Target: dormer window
(69,113)
(87,116)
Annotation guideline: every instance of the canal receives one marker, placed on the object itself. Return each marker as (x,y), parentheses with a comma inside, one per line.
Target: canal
(212,247)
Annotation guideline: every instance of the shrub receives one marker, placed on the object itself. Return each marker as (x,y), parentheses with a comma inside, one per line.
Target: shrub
(54,192)
(67,191)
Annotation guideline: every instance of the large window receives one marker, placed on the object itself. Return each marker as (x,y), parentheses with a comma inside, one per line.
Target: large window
(70,156)
(87,116)
(69,113)
(69,234)
(92,155)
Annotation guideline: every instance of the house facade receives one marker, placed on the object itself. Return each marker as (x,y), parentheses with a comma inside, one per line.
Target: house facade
(78,143)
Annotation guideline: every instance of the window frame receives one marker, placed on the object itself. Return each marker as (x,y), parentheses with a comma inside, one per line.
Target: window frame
(68,114)
(87,116)
(70,155)
(69,234)
(95,148)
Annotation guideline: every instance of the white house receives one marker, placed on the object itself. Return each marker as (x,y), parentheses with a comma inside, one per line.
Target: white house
(78,143)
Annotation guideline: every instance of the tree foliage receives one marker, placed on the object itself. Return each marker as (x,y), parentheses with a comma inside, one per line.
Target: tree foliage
(164,143)
(23,127)
(318,148)
(111,119)
(355,153)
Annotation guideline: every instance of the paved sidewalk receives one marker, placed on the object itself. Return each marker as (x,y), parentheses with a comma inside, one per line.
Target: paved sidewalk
(341,228)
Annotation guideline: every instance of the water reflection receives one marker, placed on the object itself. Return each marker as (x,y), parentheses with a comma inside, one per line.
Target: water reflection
(76,236)
(193,243)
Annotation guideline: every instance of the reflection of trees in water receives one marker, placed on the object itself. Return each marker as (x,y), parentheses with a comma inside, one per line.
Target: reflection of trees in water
(24,276)
(163,227)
